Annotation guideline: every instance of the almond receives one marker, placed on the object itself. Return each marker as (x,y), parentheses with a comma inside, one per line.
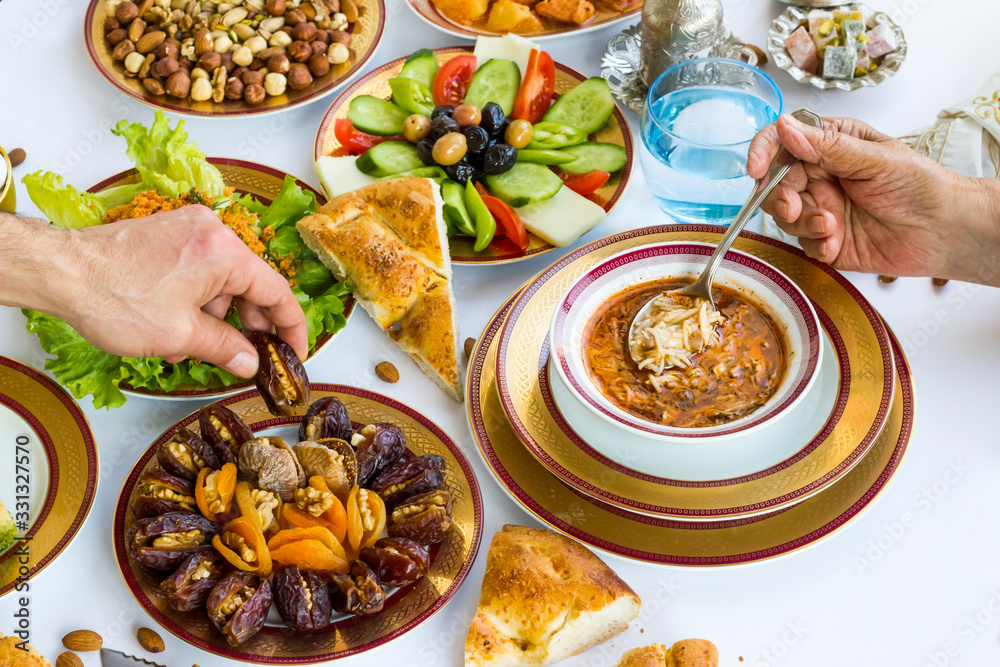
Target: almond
(16,156)
(83,641)
(150,640)
(148,42)
(470,345)
(68,659)
(136,29)
(387,372)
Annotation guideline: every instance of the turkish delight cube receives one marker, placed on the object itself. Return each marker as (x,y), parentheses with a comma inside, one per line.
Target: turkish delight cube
(802,50)
(881,40)
(864,63)
(847,16)
(817,18)
(839,62)
(853,30)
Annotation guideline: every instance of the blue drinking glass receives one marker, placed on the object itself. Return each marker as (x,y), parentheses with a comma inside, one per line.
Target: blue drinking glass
(699,118)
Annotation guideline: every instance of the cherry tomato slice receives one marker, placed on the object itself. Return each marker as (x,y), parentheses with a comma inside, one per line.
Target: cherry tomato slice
(535,94)
(355,140)
(584,184)
(452,80)
(507,221)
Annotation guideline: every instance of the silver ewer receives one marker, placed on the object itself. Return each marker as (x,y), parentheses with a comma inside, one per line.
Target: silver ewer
(676,30)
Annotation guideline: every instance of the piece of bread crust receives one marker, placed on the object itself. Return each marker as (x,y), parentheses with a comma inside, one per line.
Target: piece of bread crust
(685,653)
(544,598)
(12,656)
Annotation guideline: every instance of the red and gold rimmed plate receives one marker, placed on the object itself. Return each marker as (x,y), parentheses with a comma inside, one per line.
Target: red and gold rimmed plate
(264,184)
(604,17)
(667,541)
(376,83)
(49,476)
(405,609)
(366,34)
(814,462)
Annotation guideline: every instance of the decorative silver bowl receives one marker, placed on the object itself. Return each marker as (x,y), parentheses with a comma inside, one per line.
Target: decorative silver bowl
(793,17)
(621,65)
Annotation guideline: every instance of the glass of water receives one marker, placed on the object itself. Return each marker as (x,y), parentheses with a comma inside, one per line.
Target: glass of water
(699,118)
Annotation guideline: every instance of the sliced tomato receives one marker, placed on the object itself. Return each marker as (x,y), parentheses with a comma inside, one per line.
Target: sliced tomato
(539,85)
(452,80)
(584,184)
(355,140)
(508,221)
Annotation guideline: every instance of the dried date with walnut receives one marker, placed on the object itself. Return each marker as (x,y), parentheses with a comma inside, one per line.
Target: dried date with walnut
(159,492)
(378,446)
(281,379)
(302,598)
(185,454)
(163,542)
(412,477)
(425,518)
(224,430)
(238,606)
(397,561)
(326,418)
(189,586)
(358,592)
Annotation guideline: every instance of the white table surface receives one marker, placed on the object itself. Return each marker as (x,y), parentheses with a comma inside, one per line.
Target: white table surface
(871,594)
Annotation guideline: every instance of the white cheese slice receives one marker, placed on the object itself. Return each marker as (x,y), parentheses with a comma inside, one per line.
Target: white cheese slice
(561,219)
(508,47)
(338,175)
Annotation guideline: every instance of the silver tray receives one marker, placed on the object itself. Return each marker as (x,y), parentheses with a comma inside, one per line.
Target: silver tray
(621,64)
(793,17)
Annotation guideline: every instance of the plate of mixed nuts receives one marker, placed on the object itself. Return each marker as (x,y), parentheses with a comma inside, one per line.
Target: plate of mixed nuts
(240,58)
(259,550)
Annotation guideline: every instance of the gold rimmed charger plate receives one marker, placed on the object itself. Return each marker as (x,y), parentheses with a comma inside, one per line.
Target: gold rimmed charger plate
(405,609)
(866,363)
(264,184)
(56,430)
(376,83)
(366,34)
(667,541)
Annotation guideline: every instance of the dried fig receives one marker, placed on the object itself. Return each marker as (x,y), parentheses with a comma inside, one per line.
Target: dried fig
(333,460)
(268,463)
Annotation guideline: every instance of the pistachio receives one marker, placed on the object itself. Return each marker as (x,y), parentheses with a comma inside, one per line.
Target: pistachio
(272,24)
(234,16)
(243,32)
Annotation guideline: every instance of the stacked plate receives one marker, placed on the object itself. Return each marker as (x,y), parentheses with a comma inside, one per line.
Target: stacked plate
(747,497)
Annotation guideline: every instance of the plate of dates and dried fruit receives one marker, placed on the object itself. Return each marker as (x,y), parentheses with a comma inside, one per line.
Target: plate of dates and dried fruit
(315,525)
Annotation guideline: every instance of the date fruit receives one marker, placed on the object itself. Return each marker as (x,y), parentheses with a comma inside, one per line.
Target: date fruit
(281,378)
(412,477)
(424,518)
(358,592)
(159,492)
(238,606)
(397,561)
(163,542)
(189,587)
(223,430)
(302,598)
(378,446)
(326,418)
(185,454)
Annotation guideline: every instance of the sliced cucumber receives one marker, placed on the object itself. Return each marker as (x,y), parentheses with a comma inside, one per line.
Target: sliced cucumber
(525,183)
(594,155)
(586,107)
(435,173)
(455,212)
(422,66)
(542,156)
(376,116)
(412,96)
(496,81)
(388,158)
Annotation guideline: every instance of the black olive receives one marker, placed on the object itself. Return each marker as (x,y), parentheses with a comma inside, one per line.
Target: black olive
(476,138)
(461,172)
(425,151)
(442,125)
(442,110)
(493,118)
(499,158)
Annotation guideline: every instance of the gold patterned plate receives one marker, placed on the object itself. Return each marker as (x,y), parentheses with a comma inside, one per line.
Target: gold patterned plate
(501,250)
(264,184)
(366,34)
(667,541)
(604,18)
(858,415)
(404,610)
(49,474)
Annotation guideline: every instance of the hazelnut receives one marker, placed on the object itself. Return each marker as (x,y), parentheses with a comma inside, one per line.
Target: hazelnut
(339,21)
(179,84)
(299,51)
(274,84)
(222,43)
(252,78)
(294,17)
(164,67)
(338,54)
(134,61)
(319,47)
(234,89)
(319,65)
(199,73)
(275,7)
(287,29)
(168,49)
(126,12)
(299,76)
(201,90)
(340,37)
(209,61)
(242,56)
(278,64)
(110,24)
(304,31)
(117,35)
(256,44)
(238,72)
(280,39)
(254,94)
(124,48)
(322,37)
(257,64)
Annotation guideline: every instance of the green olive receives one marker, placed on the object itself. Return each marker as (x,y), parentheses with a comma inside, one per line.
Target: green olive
(466,114)
(518,133)
(449,149)
(416,127)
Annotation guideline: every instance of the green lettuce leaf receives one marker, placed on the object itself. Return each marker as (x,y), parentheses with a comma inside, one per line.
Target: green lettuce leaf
(326,312)
(313,277)
(291,205)
(67,207)
(286,242)
(166,160)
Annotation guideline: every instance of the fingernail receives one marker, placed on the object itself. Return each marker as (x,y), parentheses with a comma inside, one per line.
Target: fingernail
(243,364)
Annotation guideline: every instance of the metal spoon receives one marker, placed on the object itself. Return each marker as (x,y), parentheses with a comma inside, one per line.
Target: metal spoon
(702,287)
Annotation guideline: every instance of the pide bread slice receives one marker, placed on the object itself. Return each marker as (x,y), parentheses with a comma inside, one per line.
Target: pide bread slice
(685,653)
(544,598)
(389,239)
